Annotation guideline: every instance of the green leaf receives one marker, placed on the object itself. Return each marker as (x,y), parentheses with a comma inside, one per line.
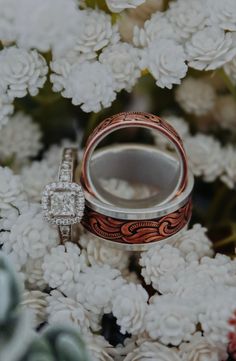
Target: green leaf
(39,350)
(66,344)
(69,349)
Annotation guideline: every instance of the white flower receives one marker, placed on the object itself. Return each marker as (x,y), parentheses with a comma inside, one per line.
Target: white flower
(219,308)
(225,112)
(8,10)
(99,253)
(190,284)
(90,85)
(123,59)
(205,156)
(198,280)
(96,287)
(33,272)
(170,319)
(36,176)
(223,14)
(63,310)
(35,303)
(11,190)
(159,263)
(187,17)
(230,69)
(95,31)
(20,138)
(9,214)
(21,71)
(153,351)
(98,348)
(165,59)
(129,307)
(47,25)
(201,348)
(117,6)
(126,347)
(157,27)
(12,204)
(61,69)
(210,48)
(194,243)
(195,96)
(6,109)
(31,236)
(179,124)
(229,173)
(62,267)
(221,269)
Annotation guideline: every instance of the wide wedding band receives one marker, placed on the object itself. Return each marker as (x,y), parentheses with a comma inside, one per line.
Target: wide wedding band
(135,228)
(127,120)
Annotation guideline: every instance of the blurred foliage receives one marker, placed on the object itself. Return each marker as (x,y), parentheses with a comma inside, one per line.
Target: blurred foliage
(18,342)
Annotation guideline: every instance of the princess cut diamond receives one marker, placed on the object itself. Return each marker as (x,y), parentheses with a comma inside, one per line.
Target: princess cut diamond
(63,204)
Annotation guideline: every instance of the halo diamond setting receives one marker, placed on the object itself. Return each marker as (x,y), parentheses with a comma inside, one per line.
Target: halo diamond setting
(63,203)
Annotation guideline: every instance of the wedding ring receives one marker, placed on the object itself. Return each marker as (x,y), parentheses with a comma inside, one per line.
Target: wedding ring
(63,201)
(127,120)
(136,228)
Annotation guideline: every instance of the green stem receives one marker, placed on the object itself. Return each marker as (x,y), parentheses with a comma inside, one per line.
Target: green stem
(90,3)
(165,5)
(227,240)
(227,82)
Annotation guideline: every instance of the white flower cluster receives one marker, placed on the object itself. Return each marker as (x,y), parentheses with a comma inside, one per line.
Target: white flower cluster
(196,96)
(20,139)
(90,64)
(21,71)
(207,158)
(187,34)
(97,66)
(186,277)
(12,200)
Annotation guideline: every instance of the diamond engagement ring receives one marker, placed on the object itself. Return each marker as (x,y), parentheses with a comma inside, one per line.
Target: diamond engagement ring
(63,201)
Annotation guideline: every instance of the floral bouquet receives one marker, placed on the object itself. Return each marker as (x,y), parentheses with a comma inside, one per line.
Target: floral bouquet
(65,65)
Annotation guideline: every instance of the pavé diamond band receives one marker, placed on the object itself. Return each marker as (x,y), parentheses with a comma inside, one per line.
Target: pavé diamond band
(63,201)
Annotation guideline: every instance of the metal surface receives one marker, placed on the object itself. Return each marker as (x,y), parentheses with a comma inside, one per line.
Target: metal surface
(126,120)
(141,165)
(103,164)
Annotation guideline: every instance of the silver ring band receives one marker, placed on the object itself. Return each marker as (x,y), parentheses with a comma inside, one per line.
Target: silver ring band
(138,213)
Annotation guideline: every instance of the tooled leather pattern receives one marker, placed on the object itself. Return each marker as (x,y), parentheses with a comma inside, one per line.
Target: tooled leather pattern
(137,232)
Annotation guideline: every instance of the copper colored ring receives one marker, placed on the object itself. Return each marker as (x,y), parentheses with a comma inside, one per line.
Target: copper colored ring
(137,232)
(134,119)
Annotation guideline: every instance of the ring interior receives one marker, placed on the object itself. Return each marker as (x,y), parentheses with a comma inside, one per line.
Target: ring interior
(137,166)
